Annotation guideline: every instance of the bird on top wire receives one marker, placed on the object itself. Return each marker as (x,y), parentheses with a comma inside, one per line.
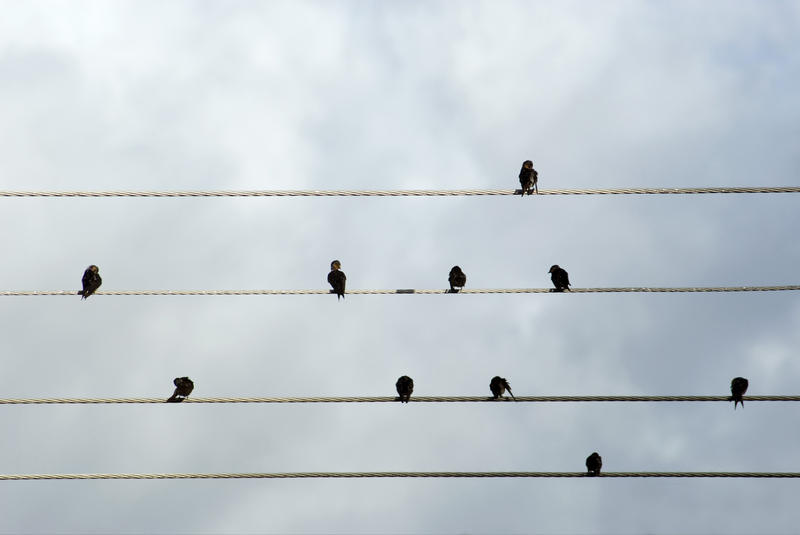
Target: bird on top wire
(738,388)
(405,387)
(528,178)
(183,387)
(457,279)
(498,386)
(560,278)
(91,281)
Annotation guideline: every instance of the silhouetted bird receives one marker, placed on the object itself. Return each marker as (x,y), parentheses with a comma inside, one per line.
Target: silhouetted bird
(183,387)
(91,281)
(498,386)
(337,279)
(405,386)
(560,278)
(593,464)
(738,388)
(528,178)
(457,279)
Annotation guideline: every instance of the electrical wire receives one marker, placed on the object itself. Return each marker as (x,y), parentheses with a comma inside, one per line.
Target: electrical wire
(353,475)
(406,193)
(387,399)
(687,289)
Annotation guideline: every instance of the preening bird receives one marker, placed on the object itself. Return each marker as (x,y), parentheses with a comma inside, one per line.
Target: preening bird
(528,178)
(457,279)
(560,278)
(593,464)
(405,386)
(91,281)
(337,279)
(183,387)
(738,388)
(498,386)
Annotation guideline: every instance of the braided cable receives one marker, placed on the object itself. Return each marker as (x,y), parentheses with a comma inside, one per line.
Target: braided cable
(386,399)
(352,475)
(410,291)
(405,193)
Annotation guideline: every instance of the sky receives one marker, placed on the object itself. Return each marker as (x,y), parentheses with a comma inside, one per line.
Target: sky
(238,95)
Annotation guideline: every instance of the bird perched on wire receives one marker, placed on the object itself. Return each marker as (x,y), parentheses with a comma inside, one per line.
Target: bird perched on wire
(593,464)
(498,386)
(738,388)
(457,279)
(337,279)
(405,386)
(528,178)
(183,387)
(560,278)
(91,281)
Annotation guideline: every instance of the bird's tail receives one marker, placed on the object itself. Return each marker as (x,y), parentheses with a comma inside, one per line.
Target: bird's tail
(512,395)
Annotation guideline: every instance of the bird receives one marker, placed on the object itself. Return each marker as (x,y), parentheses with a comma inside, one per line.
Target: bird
(528,178)
(738,388)
(91,281)
(457,278)
(183,387)
(593,464)
(560,278)
(498,386)
(337,279)
(405,386)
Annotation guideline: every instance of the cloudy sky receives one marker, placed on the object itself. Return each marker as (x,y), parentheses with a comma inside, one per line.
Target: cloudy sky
(378,95)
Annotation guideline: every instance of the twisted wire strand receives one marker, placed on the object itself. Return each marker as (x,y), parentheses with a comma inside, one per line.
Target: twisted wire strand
(352,475)
(405,193)
(387,399)
(409,291)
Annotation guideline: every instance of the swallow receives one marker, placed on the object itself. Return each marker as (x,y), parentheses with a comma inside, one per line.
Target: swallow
(405,386)
(528,178)
(337,279)
(738,388)
(91,281)
(560,278)
(457,279)
(183,387)
(498,386)
(593,464)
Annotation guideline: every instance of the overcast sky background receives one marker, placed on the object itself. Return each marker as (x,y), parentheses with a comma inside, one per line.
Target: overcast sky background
(377,95)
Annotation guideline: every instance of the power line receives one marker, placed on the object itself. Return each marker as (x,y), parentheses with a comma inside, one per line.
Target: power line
(687,289)
(353,475)
(387,399)
(404,193)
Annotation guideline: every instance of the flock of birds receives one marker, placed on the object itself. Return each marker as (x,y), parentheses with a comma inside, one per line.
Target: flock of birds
(529,180)
(457,279)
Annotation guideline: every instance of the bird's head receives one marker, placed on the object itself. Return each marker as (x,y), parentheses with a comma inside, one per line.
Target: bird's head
(553,268)
(336,265)
(94,269)
(455,269)
(527,164)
